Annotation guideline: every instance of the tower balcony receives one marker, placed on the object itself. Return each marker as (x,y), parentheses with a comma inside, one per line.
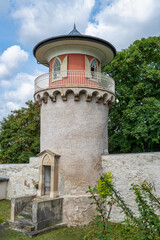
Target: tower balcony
(74,78)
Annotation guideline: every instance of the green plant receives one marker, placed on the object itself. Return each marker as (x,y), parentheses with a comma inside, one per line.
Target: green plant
(148,220)
(100,220)
(135,118)
(4,210)
(146,225)
(20,134)
(114,230)
(36,186)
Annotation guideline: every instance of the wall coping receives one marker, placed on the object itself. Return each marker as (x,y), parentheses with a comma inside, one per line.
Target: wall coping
(120,154)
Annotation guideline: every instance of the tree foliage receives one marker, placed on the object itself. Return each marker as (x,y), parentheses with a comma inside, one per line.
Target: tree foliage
(20,135)
(134,120)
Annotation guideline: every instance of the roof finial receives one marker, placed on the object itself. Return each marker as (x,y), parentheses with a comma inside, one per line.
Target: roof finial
(74,31)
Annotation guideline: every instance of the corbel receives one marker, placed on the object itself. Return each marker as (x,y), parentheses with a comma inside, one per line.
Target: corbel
(53,98)
(64,98)
(45,99)
(76,97)
(88,98)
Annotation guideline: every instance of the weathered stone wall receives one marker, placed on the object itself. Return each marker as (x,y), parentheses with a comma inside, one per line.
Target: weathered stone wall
(3,188)
(74,125)
(22,178)
(17,205)
(126,169)
(77,210)
(132,168)
(47,212)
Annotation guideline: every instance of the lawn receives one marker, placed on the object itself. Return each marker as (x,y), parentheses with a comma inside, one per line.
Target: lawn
(116,231)
(4,210)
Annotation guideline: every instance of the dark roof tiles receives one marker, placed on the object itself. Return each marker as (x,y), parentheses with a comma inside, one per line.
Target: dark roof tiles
(74,31)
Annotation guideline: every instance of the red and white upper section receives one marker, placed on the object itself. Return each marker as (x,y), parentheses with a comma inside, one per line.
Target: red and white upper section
(74,59)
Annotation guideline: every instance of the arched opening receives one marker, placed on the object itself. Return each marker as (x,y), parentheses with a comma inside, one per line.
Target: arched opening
(48,174)
(56,68)
(47,180)
(94,67)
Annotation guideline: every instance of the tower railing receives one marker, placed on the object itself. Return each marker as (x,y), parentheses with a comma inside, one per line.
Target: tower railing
(75,78)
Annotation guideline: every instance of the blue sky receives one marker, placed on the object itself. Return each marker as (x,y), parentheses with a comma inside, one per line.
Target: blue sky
(23,23)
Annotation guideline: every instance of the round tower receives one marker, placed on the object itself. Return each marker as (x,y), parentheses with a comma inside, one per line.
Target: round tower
(74,98)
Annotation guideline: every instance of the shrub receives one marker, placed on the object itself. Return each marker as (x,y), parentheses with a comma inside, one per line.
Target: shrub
(105,195)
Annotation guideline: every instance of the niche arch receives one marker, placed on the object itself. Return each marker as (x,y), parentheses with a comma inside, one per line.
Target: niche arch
(49,165)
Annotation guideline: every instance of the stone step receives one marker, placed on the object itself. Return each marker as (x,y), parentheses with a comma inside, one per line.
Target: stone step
(23,223)
(26,214)
(27,211)
(29,204)
(47,229)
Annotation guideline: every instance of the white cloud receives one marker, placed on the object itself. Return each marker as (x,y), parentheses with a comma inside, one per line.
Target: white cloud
(11,60)
(19,90)
(118,21)
(12,106)
(123,21)
(5,83)
(43,19)
(22,88)
(4,6)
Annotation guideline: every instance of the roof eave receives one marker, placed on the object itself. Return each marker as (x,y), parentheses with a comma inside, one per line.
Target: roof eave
(74,37)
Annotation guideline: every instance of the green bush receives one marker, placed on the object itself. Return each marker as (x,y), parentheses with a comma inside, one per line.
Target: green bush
(104,195)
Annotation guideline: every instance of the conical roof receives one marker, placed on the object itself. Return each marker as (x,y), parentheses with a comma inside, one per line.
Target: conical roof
(74,31)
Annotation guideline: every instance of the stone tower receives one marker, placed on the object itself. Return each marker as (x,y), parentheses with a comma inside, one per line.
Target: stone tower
(74,98)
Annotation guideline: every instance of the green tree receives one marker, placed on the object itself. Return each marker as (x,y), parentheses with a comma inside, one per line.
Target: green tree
(134,120)
(20,135)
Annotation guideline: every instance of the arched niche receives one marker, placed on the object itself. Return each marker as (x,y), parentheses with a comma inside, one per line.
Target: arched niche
(48,174)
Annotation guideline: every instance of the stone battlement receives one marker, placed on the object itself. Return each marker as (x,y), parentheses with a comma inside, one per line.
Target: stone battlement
(99,96)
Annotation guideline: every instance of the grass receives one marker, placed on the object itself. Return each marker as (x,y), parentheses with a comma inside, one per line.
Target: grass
(116,231)
(72,233)
(4,210)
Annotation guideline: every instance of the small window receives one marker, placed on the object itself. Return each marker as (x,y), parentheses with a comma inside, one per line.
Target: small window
(56,68)
(93,67)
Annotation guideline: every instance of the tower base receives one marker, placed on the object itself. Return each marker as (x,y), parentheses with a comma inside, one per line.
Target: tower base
(77,210)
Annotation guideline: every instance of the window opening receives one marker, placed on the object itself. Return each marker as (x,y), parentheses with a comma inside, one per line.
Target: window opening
(93,67)
(47,180)
(57,68)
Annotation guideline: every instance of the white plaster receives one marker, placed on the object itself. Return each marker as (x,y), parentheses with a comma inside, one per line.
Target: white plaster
(77,210)
(64,66)
(132,168)
(101,52)
(87,68)
(3,189)
(22,178)
(77,131)
(68,49)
